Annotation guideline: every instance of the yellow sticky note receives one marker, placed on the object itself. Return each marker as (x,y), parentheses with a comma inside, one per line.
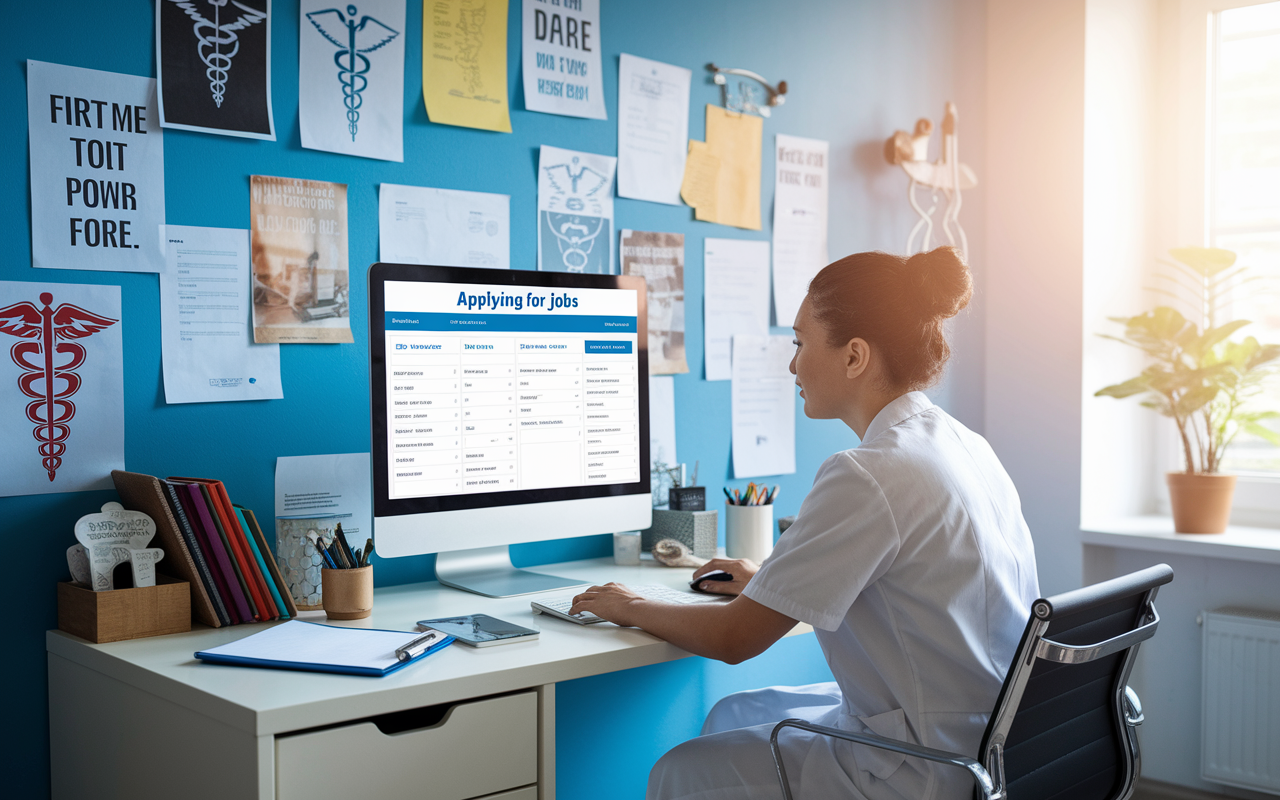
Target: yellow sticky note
(701,173)
(464,63)
(736,140)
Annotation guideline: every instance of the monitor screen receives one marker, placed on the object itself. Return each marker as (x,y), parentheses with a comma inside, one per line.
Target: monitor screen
(501,388)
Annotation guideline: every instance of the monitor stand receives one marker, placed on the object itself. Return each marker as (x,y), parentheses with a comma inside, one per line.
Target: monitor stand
(488,571)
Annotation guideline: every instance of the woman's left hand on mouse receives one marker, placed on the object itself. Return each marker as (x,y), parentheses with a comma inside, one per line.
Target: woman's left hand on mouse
(613,602)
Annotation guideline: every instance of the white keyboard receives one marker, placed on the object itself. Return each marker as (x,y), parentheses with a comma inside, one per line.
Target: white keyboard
(559,607)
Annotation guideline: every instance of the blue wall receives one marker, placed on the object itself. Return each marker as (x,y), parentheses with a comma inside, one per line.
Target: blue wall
(856,71)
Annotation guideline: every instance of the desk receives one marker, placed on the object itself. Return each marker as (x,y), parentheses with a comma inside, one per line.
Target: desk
(143,718)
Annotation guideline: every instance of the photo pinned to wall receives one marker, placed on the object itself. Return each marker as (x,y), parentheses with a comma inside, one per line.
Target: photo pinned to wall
(561,58)
(97,170)
(62,387)
(575,211)
(659,259)
(351,78)
(213,65)
(464,71)
(301,281)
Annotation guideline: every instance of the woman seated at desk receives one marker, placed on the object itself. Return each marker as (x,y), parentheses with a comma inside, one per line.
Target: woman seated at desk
(910,557)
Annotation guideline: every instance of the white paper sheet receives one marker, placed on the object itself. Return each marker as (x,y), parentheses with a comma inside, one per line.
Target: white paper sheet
(764,406)
(575,211)
(83,387)
(417,225)
(799,222)
(206,307)
(311,643)
(662,420)
(561,58)
(735,298)
(327,486)
(351,77)
(97,170)
(653,129)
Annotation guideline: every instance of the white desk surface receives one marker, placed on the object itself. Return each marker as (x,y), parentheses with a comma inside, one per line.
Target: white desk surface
(267,701)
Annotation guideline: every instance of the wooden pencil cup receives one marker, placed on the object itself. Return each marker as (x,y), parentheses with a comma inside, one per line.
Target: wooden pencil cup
(347,593)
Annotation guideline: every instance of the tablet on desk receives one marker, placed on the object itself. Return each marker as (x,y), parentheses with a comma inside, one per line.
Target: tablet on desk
(480,630)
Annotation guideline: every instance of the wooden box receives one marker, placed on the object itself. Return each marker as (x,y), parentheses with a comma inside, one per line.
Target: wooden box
(125,613)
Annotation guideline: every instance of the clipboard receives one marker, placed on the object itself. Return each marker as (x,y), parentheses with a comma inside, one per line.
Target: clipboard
(313,647)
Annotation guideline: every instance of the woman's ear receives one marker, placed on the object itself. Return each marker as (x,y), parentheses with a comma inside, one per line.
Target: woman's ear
(857,355)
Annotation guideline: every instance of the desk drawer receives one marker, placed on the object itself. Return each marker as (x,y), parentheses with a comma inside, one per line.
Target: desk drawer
(477,748)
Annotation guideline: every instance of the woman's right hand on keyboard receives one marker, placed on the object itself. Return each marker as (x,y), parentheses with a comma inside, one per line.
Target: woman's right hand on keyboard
(740,568)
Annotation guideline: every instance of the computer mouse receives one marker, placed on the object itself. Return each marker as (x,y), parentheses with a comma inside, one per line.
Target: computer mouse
(713,575)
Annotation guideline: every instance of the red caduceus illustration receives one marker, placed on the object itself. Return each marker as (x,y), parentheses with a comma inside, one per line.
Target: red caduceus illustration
(48,365)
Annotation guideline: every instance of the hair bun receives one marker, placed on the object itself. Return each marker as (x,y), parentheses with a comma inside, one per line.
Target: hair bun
(942,279)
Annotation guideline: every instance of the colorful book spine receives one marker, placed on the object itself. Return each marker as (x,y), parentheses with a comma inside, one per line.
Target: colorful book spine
(231,585)
(262,564)
(197,553)
(272,565)
(238,563)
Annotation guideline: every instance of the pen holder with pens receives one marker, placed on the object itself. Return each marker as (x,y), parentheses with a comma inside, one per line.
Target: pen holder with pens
(347,593)
(748,531)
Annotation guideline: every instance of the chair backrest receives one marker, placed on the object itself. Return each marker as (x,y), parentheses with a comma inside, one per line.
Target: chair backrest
(1059,727)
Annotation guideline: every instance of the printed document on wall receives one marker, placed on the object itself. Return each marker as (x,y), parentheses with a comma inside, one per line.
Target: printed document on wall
(735,298)
(351,78)
(97,170)
(653,129)
(418,225)
(213,65)
(662,422)
(206,309)
(722,175)
(301,283)
(575,211)
(336,487)
(799,222)
(764,406)
(61,387)
(561,58)
(464,63)
(659,259)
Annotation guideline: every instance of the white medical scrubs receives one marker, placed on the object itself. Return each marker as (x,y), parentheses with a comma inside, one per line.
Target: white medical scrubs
(912,561)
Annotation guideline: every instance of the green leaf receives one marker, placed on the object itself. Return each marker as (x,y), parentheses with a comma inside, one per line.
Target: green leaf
(1213,336)
(1207,261)
(1129,388)
(1261,431)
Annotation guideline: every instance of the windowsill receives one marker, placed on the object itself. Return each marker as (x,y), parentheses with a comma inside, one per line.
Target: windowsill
(1155,534)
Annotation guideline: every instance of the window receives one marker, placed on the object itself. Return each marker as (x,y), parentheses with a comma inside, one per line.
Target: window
(1243,186)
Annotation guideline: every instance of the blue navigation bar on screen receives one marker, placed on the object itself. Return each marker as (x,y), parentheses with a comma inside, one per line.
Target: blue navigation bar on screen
(523,323)
(608,346)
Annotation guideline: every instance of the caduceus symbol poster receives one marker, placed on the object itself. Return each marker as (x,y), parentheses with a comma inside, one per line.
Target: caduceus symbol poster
(61,387)
(575,211)
(351,77)
(214,66)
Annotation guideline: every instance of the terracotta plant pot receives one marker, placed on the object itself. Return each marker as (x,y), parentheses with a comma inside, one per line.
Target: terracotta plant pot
(1201,502)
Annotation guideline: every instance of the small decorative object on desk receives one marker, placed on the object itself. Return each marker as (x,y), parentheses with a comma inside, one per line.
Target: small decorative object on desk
(626,549)
(90,606)
(695,529)
(299,558)
(671,553)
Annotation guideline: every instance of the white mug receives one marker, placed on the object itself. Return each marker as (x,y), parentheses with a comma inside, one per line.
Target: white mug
(748,531)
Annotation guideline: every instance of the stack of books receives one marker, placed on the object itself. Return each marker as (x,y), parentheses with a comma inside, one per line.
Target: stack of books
(214,545)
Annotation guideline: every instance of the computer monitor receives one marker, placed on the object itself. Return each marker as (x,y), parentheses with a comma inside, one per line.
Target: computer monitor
(508,406)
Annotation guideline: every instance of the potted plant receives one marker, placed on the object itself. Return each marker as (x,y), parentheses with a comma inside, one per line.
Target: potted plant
(1201,379)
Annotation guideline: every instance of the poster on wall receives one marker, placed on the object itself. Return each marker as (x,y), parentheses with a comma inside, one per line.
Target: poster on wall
(351,78)
(61,387)
(659,259)
(301,285)
(213,64)
(205,312)
(799,222)
(653,129)
(575,211)
(464,66)
(97,170)
(561,58)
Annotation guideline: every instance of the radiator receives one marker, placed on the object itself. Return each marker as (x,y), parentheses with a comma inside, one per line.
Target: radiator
(1240,715)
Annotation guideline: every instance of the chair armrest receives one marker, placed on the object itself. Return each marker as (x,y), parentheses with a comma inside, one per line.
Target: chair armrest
(976,770)
(1133,716)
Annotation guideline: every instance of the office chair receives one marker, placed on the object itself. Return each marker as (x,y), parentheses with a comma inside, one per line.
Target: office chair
(1064,724)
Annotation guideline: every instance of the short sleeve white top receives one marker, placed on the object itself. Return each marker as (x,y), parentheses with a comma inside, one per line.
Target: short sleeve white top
(912,559)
